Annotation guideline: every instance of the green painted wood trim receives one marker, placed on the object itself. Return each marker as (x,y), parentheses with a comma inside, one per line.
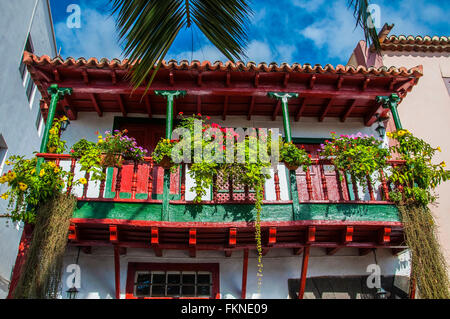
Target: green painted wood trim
(237,213)
(348,212)
(309,140)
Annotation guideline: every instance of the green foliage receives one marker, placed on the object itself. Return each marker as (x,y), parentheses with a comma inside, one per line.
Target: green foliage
(55,144)
(28,188)
(359,155)
(418,177)
(293,156)
(89,157)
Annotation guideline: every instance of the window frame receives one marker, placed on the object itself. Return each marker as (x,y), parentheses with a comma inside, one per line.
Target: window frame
(134,268)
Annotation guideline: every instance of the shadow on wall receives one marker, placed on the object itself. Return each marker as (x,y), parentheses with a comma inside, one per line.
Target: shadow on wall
(349,287)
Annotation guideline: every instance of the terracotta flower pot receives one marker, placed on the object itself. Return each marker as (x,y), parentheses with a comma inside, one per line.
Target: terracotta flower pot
(166,162)
(111,160)
(291,167)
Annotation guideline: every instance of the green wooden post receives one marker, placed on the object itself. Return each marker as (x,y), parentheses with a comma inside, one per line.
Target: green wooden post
(170,95)
(56,94)
(292,180)
(391,102)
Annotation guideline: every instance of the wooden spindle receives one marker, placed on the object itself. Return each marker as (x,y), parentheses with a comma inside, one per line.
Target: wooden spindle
(309,184)
(118,182)
(384,186)
(230,188)
(150,180)
(134,181)
(246,193)
(324,182)
(277,185)
(85,186)
(339,184)
(72,173)
(370,188)
(214,186)
(355,187)
(102,185)
(183,182)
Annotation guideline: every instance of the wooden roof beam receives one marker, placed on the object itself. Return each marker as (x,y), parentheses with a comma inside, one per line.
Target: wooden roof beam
(154,241)
(225,108)
(312,81)
(96,105)
(113,77)
(276,110)
(148,106)
(256,82)
(300,109)
(57,75)
(250,110)
(121,105)
(326,109)
(70,111)
(286,80)
(85,75)
(199,104)
(349,110)
(365,83)
(339,82)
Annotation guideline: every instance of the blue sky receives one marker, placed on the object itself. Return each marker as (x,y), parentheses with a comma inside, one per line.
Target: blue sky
(303,31)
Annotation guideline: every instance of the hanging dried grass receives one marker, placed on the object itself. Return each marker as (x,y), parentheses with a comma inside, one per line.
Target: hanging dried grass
(429,267)
(41,273)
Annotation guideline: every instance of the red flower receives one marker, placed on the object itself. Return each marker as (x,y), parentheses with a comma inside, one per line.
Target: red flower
(181,113)
(208,118)
(199,114)
(309,155)
(72,151)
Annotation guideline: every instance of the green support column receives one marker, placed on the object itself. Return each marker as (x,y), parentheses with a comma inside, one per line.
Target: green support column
(292,180)
(391,102)
(170,95)
(56,94)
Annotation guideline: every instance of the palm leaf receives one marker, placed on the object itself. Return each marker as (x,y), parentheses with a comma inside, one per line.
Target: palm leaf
(147,29)
(364,20)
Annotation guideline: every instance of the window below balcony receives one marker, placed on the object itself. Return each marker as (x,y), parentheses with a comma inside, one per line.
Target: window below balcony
(152,280)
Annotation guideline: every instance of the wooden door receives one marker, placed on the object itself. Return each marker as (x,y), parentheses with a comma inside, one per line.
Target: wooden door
(147,135)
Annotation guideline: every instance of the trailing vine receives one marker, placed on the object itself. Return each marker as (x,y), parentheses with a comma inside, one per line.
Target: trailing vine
(416,181)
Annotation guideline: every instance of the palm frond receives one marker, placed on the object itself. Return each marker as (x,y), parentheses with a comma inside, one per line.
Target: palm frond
(147,29)
(365,21)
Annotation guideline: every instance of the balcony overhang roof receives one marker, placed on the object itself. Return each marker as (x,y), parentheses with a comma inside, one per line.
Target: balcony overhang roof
(223,89)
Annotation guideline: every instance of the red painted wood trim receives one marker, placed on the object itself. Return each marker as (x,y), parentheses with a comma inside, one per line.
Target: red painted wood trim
(73,234)
(117,271)
(192,237)
(348,236)
(224,225)
(210,267)
(113,233)
(244,274)
(385,235)
(272,235)
(304,272)
(232,237)
(154,236)
(311,234)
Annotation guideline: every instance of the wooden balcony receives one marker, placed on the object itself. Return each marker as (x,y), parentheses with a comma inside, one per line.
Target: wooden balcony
(127,210)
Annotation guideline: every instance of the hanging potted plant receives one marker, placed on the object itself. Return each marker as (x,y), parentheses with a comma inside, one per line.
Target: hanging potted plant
(162,155)
(294,157)
(117,147)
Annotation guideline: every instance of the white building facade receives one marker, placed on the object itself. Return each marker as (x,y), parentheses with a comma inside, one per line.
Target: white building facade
(26,26)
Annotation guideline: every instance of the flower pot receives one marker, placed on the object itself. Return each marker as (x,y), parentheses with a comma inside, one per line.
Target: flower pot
(111,160)
(291,167)
(166,162)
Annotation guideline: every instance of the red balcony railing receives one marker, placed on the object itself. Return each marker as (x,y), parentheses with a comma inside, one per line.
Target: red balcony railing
(143,182)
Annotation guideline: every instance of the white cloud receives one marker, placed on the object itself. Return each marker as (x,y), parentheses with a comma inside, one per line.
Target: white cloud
(97,36)
(309,5)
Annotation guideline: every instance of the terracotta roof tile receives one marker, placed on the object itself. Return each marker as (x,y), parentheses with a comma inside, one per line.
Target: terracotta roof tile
(33,60)
(417,43)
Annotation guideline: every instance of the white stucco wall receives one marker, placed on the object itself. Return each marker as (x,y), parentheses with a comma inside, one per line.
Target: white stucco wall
(18,18)
(426,112)
(97,269)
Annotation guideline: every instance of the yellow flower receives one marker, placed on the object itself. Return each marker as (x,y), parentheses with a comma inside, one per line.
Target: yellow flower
(8,163)
(100,137)
(52,131)
(33,171)
(42,173)
(100,141)
(83,181)
(51,164)
(438,149)
(4,196)
(11,176)
(442,164)
(23,187)
(3,179)
(64,118)
(56,170)
(389,134)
